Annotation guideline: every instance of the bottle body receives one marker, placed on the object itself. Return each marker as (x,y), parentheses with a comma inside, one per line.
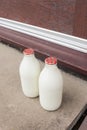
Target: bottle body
(50,87)
(29,74)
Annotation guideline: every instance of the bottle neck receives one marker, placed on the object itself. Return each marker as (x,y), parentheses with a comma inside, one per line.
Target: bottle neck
(52,66)
(31,56)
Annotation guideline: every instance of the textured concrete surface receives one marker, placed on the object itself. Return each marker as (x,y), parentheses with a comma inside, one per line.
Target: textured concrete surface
(18,112)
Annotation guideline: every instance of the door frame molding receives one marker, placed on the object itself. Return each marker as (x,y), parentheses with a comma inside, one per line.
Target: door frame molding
(70,51)
(62,39)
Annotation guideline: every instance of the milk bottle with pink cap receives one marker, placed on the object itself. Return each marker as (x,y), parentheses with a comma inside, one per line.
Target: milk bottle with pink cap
(29,73)
(50,85)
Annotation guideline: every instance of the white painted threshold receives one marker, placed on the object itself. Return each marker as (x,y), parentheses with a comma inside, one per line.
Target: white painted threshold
(62,39)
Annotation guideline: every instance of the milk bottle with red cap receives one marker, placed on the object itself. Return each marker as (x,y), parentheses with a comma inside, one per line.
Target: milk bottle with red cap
(50,85)
(29,73)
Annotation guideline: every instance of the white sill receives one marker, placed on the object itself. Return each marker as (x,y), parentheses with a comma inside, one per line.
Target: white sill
(62,39)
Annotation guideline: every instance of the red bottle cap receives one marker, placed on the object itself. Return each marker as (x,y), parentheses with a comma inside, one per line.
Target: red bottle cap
(51,60)
(28,51)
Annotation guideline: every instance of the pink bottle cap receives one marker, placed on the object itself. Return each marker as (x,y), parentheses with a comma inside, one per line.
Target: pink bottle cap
(28,51)
(51,60)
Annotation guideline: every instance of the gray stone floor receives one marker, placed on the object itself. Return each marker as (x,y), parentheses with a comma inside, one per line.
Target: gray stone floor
(18,112)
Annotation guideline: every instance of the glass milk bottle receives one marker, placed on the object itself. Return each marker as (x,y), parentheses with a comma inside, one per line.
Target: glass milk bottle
(29,73)
(50,85)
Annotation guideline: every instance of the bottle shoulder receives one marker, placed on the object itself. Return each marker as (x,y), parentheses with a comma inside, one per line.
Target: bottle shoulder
(49,74)
(29,66)
(51,71)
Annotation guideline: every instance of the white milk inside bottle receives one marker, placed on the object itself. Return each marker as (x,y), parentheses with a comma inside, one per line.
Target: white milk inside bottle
(29,73)
(50,85)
